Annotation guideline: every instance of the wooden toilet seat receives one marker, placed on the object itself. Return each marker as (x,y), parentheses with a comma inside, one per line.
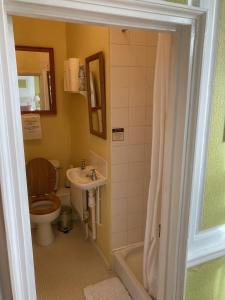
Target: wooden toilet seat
(41,179)
(52,204)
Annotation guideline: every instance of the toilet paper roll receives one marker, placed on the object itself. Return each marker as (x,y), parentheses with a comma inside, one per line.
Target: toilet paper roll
(73,66)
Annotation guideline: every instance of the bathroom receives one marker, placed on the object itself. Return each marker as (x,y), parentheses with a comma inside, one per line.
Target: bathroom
(124,153)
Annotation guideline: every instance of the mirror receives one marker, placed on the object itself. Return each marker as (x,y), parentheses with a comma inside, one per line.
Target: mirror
(95,70)
(36,79)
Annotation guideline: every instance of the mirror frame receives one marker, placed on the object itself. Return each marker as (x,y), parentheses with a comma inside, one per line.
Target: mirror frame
(52,98)
(97,56)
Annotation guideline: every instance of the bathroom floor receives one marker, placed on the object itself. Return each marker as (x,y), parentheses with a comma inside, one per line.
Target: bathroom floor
(64,268)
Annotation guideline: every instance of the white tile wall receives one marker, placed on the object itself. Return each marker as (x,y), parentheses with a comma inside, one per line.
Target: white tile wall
(136,153)
(120,172)
(137,77)
(119,37)
(133,55)
(136,170)
(119,77)
(119,190)
(135,204)
(119,155)
(138,37)
(148,134)
(137,135)
(148,152)
(137,116)
(138,55)
(119,239)
(119,222)
(119,206)
(150,77)
(148,115)
(135,235)
(121,55)
(134,220)
(151,56)
(120,117)
(137,96)
(152,38)
(135,188)
(120,97)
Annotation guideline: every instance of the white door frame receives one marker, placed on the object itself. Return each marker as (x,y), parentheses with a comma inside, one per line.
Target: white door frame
(145,14)
(208,244)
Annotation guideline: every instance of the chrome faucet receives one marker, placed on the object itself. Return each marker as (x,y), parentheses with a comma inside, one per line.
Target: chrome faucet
(92,175)
(83,164)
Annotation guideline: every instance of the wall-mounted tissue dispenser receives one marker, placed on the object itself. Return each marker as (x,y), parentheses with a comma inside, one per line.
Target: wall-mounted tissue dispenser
(74,76)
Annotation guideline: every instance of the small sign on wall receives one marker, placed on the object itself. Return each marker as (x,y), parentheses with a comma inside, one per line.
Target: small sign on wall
(31,127)
(118,134)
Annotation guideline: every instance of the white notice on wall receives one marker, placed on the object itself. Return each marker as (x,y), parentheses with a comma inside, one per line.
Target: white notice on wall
(31,127)
(118,134)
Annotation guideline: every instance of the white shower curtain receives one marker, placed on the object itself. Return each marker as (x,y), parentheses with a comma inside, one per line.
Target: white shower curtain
(155,197)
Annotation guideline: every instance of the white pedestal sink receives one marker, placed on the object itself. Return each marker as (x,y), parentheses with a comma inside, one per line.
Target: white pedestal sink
(81,180)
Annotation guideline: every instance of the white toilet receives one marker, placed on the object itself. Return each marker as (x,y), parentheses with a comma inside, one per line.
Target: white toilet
(44,205)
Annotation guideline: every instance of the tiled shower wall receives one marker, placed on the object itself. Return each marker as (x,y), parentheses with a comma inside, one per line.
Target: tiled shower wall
(132,54)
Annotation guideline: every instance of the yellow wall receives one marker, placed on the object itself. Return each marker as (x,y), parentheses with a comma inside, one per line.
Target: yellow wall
(56,141)
(83,41)
(32,62)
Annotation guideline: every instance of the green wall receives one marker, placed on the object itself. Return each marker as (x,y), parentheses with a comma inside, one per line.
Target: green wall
(214,207)
(207,281)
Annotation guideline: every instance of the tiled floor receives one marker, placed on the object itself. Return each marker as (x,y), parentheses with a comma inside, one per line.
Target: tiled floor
(64,268)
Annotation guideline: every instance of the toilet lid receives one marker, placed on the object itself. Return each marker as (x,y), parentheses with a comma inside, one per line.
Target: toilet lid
(41,177)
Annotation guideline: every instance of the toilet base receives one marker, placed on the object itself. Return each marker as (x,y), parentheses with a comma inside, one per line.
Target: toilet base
(44,235)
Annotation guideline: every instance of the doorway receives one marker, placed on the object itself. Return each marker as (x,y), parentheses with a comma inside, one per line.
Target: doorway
(183,39)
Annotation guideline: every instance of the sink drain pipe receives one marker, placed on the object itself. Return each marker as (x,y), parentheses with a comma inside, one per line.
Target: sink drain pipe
(91,205)
(98,206)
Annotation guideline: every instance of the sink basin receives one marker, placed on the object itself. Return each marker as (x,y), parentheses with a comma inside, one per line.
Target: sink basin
(80,179)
